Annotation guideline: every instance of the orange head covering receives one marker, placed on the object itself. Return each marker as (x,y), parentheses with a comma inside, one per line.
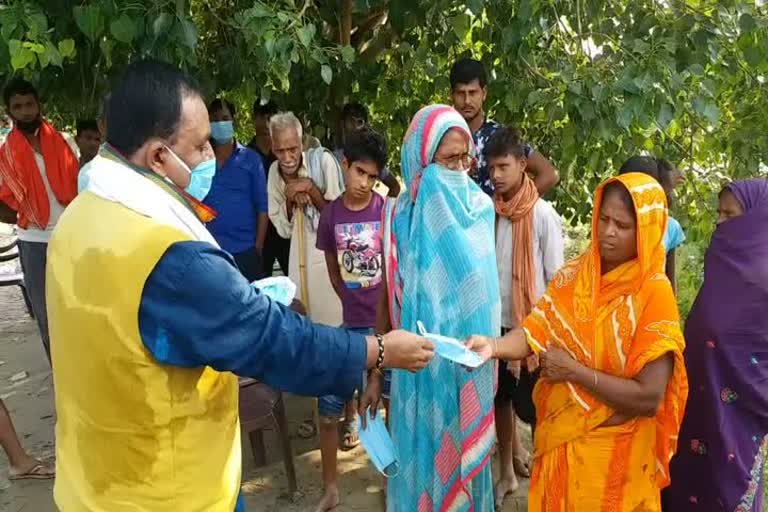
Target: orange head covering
(616,323)
(594,289)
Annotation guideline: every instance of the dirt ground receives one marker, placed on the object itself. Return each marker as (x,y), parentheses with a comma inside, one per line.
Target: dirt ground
(30,402)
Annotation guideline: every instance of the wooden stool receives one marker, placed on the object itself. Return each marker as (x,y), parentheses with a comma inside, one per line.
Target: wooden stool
(263,407)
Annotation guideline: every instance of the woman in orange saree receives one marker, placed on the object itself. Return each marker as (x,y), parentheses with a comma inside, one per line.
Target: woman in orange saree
(613,388)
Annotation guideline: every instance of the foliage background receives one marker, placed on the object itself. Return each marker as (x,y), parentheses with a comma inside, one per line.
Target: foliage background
(589,82)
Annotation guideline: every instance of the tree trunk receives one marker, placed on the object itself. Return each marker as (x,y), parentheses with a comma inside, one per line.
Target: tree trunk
(345,23)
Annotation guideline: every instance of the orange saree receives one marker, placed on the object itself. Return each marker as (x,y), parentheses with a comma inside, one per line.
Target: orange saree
(616,323)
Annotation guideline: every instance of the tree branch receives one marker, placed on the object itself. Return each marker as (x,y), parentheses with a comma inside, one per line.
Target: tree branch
(345,23)
(372,22)
(372,48)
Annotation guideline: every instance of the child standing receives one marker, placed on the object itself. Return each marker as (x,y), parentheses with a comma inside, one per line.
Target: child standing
(529,250)
(350,235)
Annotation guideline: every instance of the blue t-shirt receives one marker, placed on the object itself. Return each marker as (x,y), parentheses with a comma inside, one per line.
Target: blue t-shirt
(238,194)
(673,236)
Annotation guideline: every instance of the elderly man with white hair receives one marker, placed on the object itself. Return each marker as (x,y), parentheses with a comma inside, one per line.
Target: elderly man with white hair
(300,184)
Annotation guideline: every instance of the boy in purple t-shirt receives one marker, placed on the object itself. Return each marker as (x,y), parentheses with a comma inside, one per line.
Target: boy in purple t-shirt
(350,235)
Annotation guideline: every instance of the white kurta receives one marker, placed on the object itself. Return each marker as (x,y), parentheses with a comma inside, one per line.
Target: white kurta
(324,305)
(548,249)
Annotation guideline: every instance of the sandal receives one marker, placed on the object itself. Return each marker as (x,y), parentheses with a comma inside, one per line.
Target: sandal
(522,465)
(38,471)
(349,436)
(307,429)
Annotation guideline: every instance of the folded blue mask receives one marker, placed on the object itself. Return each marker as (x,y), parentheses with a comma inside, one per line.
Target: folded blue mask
(279,288)
(379,446)
(451,348)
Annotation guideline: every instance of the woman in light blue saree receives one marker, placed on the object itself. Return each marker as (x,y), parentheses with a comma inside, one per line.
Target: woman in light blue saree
(441,270)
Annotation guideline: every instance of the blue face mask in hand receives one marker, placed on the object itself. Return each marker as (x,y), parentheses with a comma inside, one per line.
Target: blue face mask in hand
(278,288)
(200,178)
(378,445)
(222,132)
(451,348)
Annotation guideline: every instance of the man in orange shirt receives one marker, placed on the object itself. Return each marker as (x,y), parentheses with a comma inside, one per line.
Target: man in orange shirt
(38,179)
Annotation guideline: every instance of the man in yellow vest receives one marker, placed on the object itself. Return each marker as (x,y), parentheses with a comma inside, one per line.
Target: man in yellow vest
(150,321)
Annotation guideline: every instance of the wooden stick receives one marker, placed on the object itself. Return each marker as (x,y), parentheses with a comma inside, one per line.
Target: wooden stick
(302,260)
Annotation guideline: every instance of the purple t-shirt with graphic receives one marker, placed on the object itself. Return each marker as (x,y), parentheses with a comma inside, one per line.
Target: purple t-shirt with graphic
(356,240)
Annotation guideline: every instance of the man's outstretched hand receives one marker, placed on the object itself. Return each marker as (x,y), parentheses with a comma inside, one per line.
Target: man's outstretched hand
(405,350)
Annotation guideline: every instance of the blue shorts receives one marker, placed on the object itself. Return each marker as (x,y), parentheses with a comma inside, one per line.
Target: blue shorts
(332,406)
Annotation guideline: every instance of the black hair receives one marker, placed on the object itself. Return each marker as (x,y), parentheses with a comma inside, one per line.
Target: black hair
(665,173)
(617,187)
(644,164)
(18,86)
(267,109)
(220,104)
(366,144)
(657,168)
(504,141)
(465,71)
(84,125)
(355,110)
(146,103)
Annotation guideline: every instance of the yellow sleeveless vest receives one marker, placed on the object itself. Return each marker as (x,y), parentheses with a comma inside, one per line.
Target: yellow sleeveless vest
(132,434)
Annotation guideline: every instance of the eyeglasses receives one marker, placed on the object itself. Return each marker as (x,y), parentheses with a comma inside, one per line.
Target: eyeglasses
(457,162)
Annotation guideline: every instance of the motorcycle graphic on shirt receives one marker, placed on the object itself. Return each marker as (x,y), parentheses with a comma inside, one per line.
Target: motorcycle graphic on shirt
(358,246)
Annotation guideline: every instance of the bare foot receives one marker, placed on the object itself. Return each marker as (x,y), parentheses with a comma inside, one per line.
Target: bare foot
(504,487)
(329,501)
(522,464)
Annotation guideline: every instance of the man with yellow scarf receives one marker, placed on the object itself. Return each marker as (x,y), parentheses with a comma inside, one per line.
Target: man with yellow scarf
(150,320)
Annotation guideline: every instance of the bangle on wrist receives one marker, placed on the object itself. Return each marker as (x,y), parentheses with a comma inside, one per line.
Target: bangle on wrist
(495,347)
(594,372)
(380,357)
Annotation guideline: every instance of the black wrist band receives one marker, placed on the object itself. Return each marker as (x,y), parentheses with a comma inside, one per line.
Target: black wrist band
(380,358)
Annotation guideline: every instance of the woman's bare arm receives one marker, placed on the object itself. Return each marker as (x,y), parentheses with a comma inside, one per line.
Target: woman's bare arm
(512,346)
(638,396)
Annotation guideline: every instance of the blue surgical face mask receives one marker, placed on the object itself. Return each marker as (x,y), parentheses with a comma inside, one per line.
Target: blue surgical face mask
(451,348)
(222,132)
(379,446)
(278,288)
(200,178)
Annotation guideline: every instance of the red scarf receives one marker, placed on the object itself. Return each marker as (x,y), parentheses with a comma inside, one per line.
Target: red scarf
(21,185)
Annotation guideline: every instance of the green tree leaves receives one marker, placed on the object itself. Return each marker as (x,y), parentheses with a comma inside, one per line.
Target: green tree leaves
(123,29)
(90,20)
(589,83)
(327,73)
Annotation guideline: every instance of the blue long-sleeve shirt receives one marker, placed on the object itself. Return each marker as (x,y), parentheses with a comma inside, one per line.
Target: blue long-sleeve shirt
(238,194)
(198,310)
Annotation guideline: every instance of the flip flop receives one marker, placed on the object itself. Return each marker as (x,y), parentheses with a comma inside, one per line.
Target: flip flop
(39,471)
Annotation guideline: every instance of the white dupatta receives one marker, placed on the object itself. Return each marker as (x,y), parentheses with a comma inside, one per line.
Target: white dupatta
(115,181)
